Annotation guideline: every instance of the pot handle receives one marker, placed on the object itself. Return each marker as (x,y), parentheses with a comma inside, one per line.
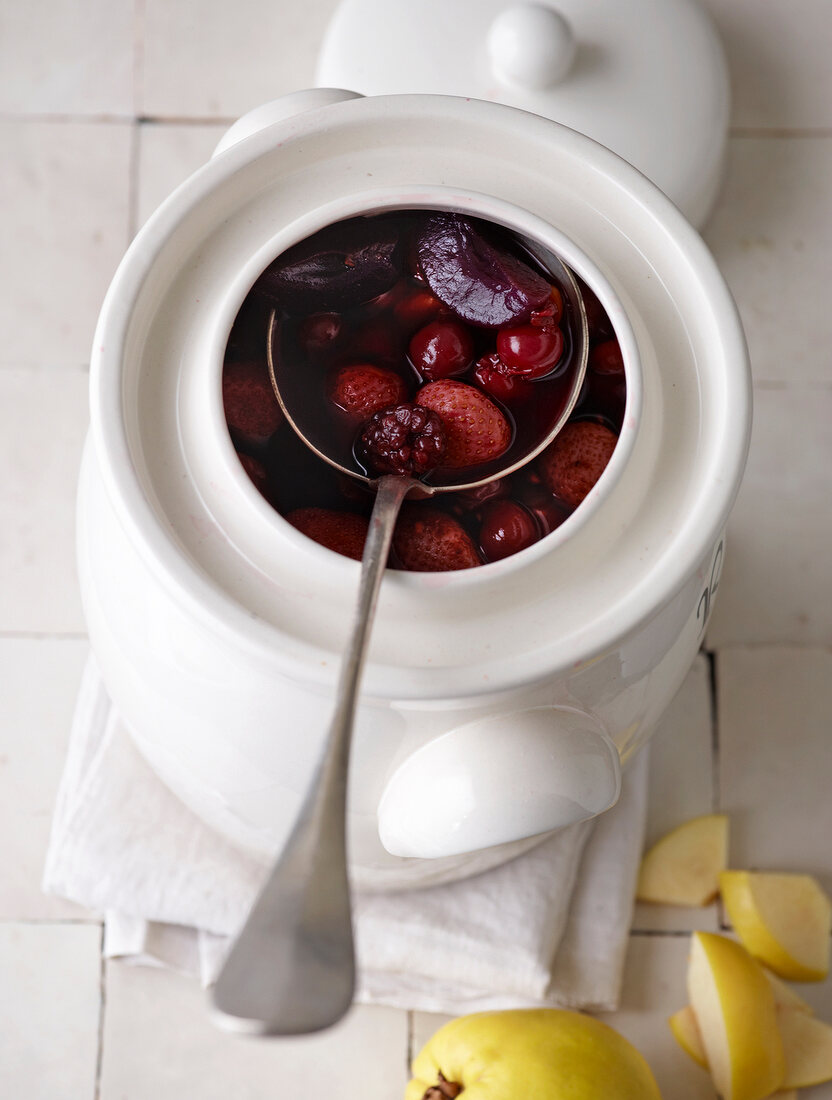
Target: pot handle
(499,779)
(294,103)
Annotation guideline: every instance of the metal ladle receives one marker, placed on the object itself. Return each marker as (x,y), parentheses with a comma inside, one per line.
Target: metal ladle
(291,969)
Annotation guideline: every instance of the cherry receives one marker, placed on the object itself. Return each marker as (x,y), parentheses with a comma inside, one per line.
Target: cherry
(441,349)
(530,350)
(606,358)
(548,512)
(318,332)
(507,528)
(493,376)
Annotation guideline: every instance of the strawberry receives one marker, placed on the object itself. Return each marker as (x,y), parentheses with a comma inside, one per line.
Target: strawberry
(572,464)
(362,389)
(476,430)
(429,541)
(343,532)
(251,408)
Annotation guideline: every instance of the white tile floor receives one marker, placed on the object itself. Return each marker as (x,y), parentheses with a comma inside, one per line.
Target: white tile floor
(104,108)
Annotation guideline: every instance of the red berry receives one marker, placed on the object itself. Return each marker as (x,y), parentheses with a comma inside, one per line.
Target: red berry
(343,532)
(550,314)
(546,509)
(470,500)
(404,439)
(606,358)
(417,307)
(495,378)
(441,349)
(361,390)
(507,527)
(572,464)
(251,408)
(429,541)
(256,471)
(476,430)
(530,350)
(318,332)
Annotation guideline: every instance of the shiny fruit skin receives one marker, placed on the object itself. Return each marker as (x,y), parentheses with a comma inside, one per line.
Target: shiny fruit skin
(441,349)
(531,351)
(507,528)
(533,1054)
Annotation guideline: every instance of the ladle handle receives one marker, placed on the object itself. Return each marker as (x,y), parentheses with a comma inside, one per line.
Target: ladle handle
(291,970)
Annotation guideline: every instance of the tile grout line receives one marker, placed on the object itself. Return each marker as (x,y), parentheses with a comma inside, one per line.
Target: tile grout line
(716,794)
(133,169)
(57,922)
(408,1051)
(103,118)
(716,791)
(102,1004)
(43,635)
(139,11)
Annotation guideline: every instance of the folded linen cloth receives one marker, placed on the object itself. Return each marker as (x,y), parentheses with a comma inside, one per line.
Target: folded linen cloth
(548,928)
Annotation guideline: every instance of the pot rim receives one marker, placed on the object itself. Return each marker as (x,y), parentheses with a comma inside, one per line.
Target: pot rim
(217,609)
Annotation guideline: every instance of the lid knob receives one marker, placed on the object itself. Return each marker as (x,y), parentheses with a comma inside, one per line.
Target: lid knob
(531,46)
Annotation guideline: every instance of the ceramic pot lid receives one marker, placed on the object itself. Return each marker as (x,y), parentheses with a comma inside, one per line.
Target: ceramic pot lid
(646,78)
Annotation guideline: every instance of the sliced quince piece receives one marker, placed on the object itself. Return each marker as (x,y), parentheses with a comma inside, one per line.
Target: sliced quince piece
(784,920)
(683,867)
(734,1007)
(686,1033)
(785,996)
(807,1046)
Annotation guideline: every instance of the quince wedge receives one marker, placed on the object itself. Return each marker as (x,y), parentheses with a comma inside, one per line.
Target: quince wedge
(536,1054)
(784,920)
(685,1030)
(807,1046)
(683,867)
(734,1008)
(686,1033)
(785,996)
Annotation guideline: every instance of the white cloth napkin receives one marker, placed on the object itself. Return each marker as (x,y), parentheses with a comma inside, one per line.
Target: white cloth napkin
(548,928)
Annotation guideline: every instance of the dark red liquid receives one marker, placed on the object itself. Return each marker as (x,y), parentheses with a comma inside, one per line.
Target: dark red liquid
(311,346)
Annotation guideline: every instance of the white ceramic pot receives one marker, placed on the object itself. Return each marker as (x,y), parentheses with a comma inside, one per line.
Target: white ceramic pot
(497,701)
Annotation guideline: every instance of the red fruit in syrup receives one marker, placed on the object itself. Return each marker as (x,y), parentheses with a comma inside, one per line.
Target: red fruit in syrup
(507,528)
(530,350)
(470,500)
(404,439)
(546,509)
(251,408)
(417,307)
(551,313)
(343,532)
(495,378)
(606,358)
(441,349)
(429,541)
(361,389)
(572,464)
(476,430)
(318,333)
